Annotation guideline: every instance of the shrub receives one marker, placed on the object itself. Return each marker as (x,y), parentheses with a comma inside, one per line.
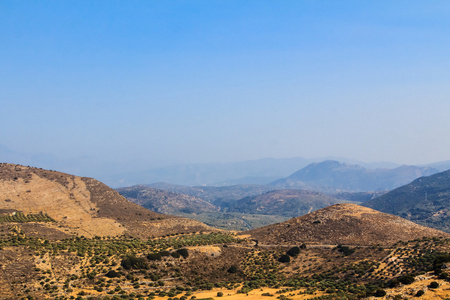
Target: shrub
(219,294)
(130,261)
(112,274)
(406,279)
(183,252)
(433,285)
(294,251)
(393,283)
(232,269)
(154,256)
(380,293)
(420,293)
(284,258)
(345,250)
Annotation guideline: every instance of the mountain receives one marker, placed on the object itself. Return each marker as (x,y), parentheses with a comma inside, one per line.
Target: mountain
(67,205)
(332,176)
(348,224)
(218,174)
(217,195)
(289,203)
(425,201)
(441,165)
(165,202)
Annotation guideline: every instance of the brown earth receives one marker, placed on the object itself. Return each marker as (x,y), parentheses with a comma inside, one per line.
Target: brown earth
(348,224)
(80,206)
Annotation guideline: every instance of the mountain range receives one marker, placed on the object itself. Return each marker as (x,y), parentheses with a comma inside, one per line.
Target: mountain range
(332,176)
(425,201)
(132,172)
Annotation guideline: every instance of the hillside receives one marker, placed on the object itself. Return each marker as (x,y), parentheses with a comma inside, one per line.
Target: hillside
(217,195)
(332,176)
(57,241)
(77,206)
(348,224)
(165,202)
(289,203)
(424,201)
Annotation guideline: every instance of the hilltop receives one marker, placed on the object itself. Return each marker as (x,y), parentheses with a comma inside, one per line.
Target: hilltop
(424,201)
(78,206)
(348,224)
(334,176)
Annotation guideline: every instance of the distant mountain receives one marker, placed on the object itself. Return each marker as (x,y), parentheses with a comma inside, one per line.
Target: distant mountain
(425,201)
(71,206)
(332,176)
(217,174)
(166,202)
(441,166)
(289,203)
(347,224)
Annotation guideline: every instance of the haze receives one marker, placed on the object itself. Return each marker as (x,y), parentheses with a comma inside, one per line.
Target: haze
(170,82)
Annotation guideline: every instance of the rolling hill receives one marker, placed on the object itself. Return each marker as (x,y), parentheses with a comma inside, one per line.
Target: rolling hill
(333,176)
(424,201)
(348,224)
(78,206)
(166,202)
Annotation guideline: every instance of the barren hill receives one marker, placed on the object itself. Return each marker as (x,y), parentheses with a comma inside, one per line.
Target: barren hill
(348,224)
(77,206)
(165,202)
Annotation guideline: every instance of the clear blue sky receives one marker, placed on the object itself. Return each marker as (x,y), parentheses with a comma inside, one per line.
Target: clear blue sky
(217,81)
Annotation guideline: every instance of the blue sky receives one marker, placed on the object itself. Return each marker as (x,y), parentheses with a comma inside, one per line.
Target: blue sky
(167,82)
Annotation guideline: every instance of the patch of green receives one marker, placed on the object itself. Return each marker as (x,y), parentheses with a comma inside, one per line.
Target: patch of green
(19,217)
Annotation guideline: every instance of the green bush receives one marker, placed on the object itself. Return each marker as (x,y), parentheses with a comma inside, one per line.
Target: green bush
(406,279)
(232,269)
(420,293)
(433,285)
(284,258)
(154,256)
(380,293)
(183,252)
(294,251)
(133,262)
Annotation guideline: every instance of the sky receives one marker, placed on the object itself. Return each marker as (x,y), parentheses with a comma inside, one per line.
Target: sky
(168,82)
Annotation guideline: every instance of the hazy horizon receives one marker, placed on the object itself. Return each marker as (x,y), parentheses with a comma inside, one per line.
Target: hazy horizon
(165,83)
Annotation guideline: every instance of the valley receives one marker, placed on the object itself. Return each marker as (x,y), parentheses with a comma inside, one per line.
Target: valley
(69,237)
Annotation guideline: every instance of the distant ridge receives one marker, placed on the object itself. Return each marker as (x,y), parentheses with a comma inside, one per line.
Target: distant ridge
(165,202)
(334,176)
(348,224)
(425,201)
(289,203)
